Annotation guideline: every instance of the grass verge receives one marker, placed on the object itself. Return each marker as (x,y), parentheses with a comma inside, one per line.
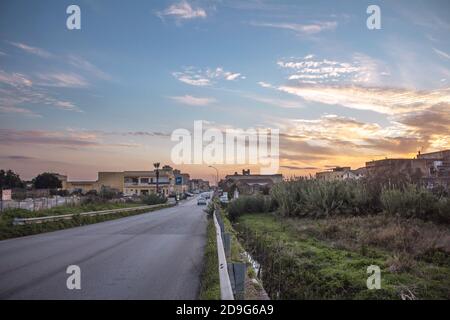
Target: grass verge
(301,264)
(253,287)
(8,230)
(210,283)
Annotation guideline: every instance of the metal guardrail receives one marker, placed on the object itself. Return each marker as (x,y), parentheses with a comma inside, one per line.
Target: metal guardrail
(226,291)
(22,221)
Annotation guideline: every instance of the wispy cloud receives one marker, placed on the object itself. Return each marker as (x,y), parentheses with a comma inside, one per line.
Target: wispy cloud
(442,53)
(183,10)
(18,110)
(62,80)
(19,90)
(276,102)
(87,66)
(15,79)
(362,69)
(302,29)
(68,138)
(202,78)
(389,101)
(194,101)
(33,50)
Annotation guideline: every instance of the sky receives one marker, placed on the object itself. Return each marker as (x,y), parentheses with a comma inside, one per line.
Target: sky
(107,97)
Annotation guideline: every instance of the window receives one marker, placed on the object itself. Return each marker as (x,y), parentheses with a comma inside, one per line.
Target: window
(144,180)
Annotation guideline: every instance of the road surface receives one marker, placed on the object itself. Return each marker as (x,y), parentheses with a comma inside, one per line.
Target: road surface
(156,255)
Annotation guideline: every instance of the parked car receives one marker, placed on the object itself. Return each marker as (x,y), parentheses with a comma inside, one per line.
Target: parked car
(224,199)
(201,201)
(206,195)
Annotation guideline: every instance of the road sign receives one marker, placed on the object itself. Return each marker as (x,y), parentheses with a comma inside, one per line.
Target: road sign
(6,194)
(178,180)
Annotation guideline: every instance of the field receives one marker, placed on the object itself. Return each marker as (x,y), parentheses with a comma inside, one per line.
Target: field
(328,259)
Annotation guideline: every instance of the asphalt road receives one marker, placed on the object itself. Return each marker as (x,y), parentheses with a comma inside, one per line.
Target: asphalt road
(156,255)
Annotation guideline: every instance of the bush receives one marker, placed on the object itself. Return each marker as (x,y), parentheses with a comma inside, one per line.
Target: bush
(108,193)
(318,198)
(248,204)
(151,199)
(411,202)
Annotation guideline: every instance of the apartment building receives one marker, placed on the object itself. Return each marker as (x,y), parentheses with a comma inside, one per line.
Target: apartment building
(134,182)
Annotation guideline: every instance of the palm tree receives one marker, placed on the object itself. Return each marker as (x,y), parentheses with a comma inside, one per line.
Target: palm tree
(156,165)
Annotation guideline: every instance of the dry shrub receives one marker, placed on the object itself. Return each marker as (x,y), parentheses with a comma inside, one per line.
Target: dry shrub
(398,236)
(401,262)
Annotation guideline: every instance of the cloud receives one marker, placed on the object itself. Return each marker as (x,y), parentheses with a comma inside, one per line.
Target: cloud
(298,168)
(69,138)
(389,101)
(18,90)
(363,69)
(442,53)
(63,80)
(280,103)
(183,10)
(85,65)
(15,79)
(265,84)
(303,29)
(194,101)
(33,50)
(13,157)
(191,79)
(18,110)
(202,78)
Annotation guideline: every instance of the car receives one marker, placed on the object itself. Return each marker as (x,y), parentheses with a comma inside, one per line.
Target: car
(224,199)
(201,201)
(206,195)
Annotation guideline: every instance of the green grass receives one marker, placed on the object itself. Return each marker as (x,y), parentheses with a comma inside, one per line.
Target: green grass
(8,230)
(67,209)
(299,267)
(210,283)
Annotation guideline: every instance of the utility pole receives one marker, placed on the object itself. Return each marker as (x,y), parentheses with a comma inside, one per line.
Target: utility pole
(156,165)
(1,199)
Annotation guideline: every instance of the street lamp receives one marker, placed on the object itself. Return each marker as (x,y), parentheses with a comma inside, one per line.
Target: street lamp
(217,175)
(156,165)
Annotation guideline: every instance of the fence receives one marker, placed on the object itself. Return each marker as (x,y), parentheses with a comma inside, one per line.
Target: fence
(231,275)
(34,204)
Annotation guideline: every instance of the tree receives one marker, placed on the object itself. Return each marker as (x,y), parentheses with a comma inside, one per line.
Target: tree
(47,180)
(10,180)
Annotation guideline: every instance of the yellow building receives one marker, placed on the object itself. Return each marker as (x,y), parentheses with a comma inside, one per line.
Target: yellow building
(132,182)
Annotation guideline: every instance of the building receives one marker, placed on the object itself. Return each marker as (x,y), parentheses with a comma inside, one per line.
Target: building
(339,173)
(199,184)
(181,181)
(133,182)
(247,183)
(430,168)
